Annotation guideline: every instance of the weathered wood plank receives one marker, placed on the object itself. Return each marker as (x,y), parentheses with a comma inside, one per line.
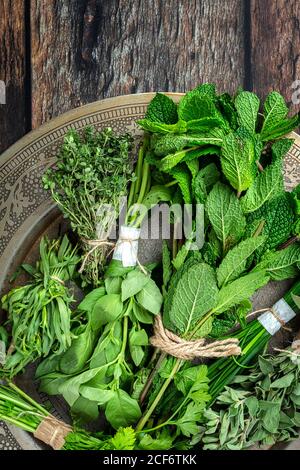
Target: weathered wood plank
(116,47)
(275,41)
(12,71)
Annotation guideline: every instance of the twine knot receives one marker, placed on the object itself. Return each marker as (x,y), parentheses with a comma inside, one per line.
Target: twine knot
(170,343)
(93,245)
(51,431)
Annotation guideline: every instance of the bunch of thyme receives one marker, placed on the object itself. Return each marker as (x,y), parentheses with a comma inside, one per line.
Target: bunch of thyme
(91,175)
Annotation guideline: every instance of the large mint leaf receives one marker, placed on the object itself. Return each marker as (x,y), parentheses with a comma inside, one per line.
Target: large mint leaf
(228,110)
(276,123)
(169,144)
(247,106)
(238,159)
(195,295)
(281,264)
(162,128)
(235,261)
(170,161)
(280,149)
(239,290)
(275,111)
(162,109)
(225,215)
(183,177)
(266,185)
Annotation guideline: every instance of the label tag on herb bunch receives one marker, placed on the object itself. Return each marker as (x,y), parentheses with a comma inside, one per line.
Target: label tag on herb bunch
(271,320)
(2,352)
(126,248)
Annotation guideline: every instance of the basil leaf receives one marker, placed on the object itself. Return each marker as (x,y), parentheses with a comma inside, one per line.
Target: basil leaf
(137,339)
(141,314)
(122,410)
(113,285)
(133,283)
(195,295)
(98,395)
(107,308)
(150,297)
(84,411)
(91,298)
(74,359)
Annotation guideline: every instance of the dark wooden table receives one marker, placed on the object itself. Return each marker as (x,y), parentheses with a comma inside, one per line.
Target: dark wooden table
(59,54)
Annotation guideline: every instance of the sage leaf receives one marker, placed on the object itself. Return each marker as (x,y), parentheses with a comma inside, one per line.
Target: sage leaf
(122,410)
(240,289)
(247,106)
(265,366)
(195,295)
(252,405)
(235,261)
(284,381)
(225,215)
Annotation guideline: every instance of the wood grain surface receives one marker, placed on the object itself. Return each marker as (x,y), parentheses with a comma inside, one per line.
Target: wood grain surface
(79,51)
(275,44)
(12,71)
(117,47)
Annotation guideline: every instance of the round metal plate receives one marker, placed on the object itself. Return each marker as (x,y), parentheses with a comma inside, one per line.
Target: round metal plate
(26,211)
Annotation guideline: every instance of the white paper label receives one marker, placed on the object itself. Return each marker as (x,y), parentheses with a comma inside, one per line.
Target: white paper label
(126,248)
(2,352)
(283,311)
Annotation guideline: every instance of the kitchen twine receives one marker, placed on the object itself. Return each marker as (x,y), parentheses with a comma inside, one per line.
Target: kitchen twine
(172,344)
(52,431)
(94,244)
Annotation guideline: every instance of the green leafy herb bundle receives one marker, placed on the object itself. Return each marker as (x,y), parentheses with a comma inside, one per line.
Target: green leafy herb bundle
(225,161)
(91,174)
(21,410)
(261,407)
(39,313)
(98,369)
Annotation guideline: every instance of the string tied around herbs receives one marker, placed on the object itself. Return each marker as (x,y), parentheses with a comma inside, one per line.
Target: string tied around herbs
(53,432)
(174,345)
(94,244)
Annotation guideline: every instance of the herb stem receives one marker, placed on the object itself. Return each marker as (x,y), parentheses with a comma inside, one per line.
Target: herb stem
(146,416)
